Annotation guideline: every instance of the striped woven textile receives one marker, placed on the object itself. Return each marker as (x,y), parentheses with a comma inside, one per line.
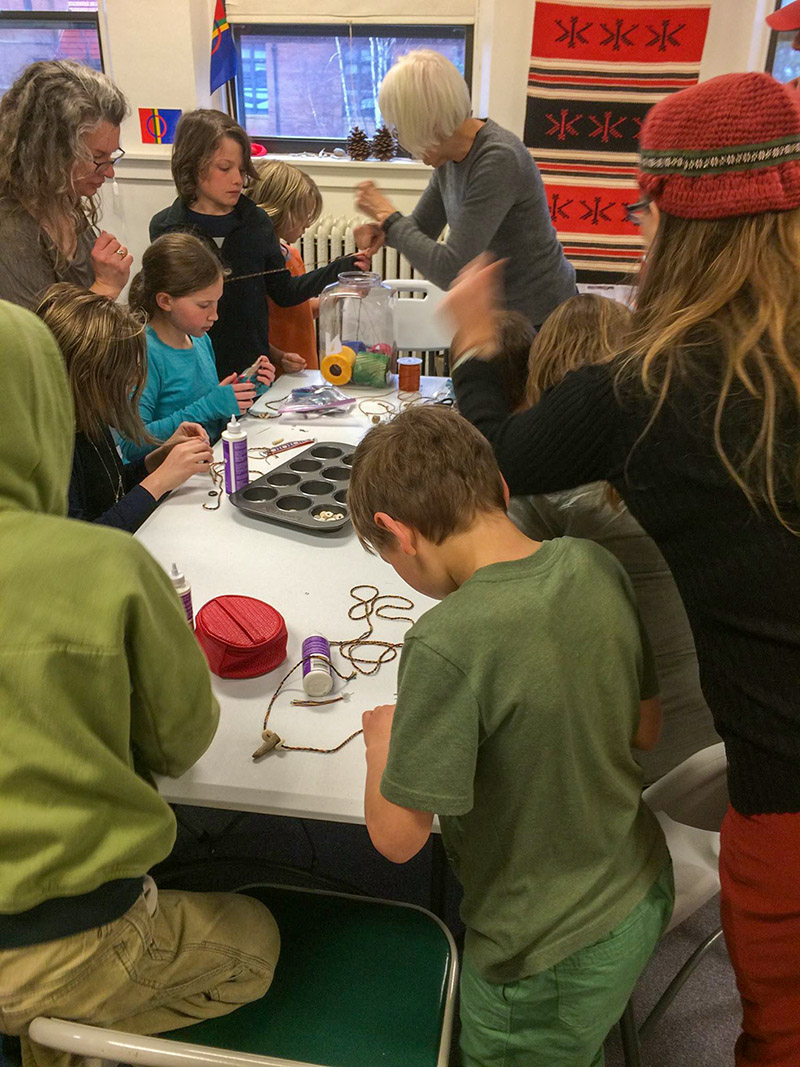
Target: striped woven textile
(596,68)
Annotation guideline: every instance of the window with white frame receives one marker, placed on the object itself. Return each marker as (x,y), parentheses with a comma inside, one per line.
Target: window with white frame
(31,30)
(303,88)
(783,60)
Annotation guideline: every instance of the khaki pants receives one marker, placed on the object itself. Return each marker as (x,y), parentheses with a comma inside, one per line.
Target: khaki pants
(173,959)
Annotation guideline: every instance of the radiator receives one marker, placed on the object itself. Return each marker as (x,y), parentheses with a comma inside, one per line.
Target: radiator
(328,238)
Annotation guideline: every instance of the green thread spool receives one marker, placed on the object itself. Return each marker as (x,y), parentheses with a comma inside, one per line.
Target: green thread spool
(370,368)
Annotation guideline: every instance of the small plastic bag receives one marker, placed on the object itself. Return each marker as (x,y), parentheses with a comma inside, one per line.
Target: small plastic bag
(317,400)
(445,394)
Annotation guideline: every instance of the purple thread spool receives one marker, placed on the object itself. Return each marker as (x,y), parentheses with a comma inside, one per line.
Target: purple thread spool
(317,673)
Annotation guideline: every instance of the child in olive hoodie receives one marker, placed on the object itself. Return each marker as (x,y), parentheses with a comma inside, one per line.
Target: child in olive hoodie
(97,668)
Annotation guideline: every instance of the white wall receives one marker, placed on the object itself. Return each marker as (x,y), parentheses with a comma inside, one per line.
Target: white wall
(738,37)
(158,53)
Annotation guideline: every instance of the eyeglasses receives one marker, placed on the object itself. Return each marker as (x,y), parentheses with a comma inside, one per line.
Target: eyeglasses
(105,165)
(634,212)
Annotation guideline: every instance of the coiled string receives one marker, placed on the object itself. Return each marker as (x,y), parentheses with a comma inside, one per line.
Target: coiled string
(373,605)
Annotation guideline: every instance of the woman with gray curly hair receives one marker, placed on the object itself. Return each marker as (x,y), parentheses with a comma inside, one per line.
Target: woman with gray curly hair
(59,141)
(485,186)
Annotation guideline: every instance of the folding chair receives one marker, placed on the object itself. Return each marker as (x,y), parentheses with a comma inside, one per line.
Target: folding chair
(690,803)
(418,326)
(359,982)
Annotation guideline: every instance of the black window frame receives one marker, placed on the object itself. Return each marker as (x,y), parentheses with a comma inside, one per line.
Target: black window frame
(66,20)
(322,29)
(773,44)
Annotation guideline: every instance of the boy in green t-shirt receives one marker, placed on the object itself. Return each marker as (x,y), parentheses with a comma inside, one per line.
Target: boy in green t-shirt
(520,698)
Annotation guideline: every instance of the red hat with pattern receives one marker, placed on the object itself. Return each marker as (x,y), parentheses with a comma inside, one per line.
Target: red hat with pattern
(785,18)
(726,147)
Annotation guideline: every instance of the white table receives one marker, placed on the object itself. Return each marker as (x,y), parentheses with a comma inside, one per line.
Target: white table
(307,578)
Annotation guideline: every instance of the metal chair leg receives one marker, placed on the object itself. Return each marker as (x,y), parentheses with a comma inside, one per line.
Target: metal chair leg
(629,1035)
(678,983)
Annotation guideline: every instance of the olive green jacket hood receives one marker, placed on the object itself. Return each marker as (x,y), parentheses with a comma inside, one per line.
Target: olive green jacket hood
(97,663)
(37,429)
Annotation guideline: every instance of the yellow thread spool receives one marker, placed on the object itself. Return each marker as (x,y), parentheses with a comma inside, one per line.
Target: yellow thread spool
(337,368)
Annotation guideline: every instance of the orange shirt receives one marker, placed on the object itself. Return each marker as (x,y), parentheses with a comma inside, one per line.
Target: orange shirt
(292,329)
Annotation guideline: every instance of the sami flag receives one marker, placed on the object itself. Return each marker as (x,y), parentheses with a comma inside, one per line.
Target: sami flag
(223,53)
(158,124)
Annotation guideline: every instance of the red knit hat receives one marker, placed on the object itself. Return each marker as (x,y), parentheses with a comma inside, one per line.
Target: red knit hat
(785,18)
(729,146)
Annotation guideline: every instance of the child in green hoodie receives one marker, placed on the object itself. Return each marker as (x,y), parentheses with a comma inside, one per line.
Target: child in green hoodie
(98,669)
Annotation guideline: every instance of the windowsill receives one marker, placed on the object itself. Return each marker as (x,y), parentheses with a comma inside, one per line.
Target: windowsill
(292,157)
(397,178)
(310,157)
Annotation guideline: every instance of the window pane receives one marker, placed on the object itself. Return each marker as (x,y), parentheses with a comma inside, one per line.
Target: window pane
(786,63)
(48,5)
(22,44)
(321,85)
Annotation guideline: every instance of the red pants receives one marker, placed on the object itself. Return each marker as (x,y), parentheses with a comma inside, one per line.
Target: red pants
(760,875)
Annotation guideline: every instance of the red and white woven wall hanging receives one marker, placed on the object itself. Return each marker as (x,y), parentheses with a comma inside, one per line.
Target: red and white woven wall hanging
(596,68)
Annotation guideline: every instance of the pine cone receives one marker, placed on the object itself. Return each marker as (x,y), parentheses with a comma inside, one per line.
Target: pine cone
(357,144)
(384,146)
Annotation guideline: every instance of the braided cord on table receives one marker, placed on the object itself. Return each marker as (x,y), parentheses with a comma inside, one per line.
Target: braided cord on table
(367,608)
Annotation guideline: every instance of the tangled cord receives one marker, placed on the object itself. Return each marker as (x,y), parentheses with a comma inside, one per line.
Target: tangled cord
(262,452)
(366,608)
(216,470)
(389,408)
(376,605)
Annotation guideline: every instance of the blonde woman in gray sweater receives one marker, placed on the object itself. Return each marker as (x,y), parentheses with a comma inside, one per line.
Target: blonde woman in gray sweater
(485,187)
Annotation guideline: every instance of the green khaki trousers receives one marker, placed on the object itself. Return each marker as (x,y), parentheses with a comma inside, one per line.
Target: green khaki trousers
(174,958)
(561,1016)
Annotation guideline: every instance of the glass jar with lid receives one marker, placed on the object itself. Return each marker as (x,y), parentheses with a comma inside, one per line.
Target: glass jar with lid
(356,329)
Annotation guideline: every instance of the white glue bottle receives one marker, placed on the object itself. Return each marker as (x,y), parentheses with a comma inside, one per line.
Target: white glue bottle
(234,452)
(184,591)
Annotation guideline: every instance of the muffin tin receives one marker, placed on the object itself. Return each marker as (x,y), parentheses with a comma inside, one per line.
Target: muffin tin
(301,490)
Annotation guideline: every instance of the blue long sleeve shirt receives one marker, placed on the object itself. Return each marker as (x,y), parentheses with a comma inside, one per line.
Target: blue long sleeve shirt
(182,386)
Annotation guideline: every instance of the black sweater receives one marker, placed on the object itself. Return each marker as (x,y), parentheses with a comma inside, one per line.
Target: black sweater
(96,468)
(242,331)
(738,571)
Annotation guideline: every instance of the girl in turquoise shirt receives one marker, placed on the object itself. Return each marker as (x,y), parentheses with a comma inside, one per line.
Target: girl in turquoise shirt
(179,287)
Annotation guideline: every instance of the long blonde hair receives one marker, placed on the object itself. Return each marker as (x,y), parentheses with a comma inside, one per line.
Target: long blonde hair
(584,329)
(286,193)
(720,303)
(104,348)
